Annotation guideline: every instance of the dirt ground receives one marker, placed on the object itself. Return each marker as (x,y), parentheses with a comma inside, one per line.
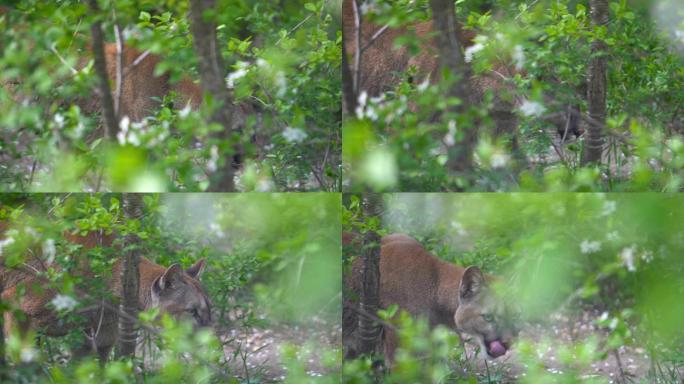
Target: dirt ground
(256,354)
(558,330)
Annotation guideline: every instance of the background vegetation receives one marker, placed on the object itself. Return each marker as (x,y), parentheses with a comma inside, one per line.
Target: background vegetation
(396,142)
(282,63)
(597,278)
(273,265)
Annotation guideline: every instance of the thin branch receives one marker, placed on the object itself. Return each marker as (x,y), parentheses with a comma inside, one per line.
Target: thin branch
(296,27)
(54,50)
(119,70)
(357,54)
(375,36)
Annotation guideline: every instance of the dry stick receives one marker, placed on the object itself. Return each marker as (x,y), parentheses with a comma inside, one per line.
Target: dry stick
(371,316)
(375,36)
(619,364)
(136,62)
(119,70)
(62,59)
(296,27)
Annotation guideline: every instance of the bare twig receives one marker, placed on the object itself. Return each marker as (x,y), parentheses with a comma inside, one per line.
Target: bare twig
(54,50)
(357,54)
(375,36)
(119,70)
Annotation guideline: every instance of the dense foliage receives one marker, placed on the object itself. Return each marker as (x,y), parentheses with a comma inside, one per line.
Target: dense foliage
(282,63)
(272,261)
(399,141)
(615,258)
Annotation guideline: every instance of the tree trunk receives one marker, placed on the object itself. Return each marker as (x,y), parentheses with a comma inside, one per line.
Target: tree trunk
(598,84)
(111,121)
(350,98)
(130,280)
(451,58)
(212,79)
(369,302)
(3,363)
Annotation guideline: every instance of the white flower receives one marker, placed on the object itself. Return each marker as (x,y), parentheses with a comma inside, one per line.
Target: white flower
(49,250)
(588,246)
(64,302)
(264,185)
(59,120)
(216,230)
(240,72)
(281,83)
(6,242)
(613,323)
(450,137)
(294,135)
(608,207)
(363,98)
(424,85)
(604,316)
(458,227)
(213,158)
(498,160)
(133,138)
(124,123)
(627,256)
(123,130)
(518,57)
(78,131)
(371,113)
(472,50)
(28,354)
(532,108)
(612,236)
(647,256)
(679,35)
(183,113)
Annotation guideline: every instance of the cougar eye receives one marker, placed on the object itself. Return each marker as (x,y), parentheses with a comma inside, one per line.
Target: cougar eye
(488,317)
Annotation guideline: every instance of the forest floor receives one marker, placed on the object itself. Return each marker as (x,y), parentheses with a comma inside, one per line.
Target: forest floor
(561,330)
(255,354)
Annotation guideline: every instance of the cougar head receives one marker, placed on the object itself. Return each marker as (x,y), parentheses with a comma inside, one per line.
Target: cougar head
(484,316)
(179,293)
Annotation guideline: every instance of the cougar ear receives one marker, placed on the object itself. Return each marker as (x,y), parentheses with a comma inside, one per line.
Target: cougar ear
(472,283)
(195,271)
(166,280)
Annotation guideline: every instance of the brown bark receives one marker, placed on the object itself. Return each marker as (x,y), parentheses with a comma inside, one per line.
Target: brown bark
(350,98)
(111,120)
(3,363)
(452,59)
(212,79)
(130,280)
(369,300)
(598,84)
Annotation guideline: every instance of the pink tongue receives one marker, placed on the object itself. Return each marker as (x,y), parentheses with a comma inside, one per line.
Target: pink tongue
(496,349)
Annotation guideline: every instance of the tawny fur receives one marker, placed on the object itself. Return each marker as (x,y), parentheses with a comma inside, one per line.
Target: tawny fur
(101,322)
(425,287)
